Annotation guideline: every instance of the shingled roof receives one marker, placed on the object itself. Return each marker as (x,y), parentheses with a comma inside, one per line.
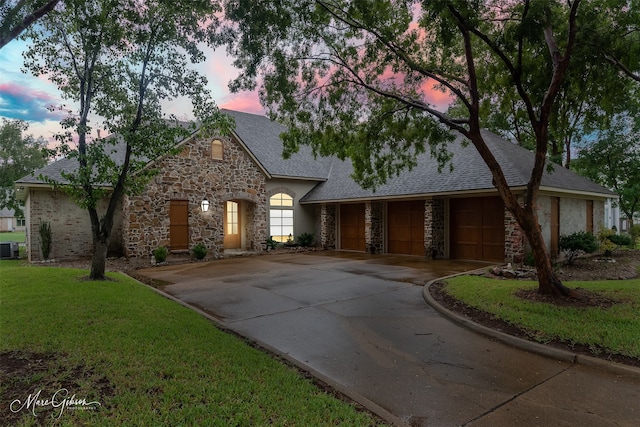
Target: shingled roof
(469,174)
(261,137)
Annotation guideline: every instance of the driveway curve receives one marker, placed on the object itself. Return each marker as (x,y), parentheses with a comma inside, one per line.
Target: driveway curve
(360,321)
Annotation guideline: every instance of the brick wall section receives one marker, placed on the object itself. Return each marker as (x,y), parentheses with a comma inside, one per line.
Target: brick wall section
(434,228)
(327,226)
(70,226)
(193,175)
(514,239)
(373,227)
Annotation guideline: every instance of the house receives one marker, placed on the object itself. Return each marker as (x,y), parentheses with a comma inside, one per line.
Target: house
(234,191)
(9,222)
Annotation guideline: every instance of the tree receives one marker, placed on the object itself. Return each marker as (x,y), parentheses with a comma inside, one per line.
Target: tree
(19,156)
(17,16)
(350,78)
(118,60)
(589,96)
(613,160)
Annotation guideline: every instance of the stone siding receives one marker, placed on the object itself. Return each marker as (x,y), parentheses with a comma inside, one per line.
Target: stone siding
(434,228)
(373,227)
(514,239)
(70,226)
(193,175)
(327,226)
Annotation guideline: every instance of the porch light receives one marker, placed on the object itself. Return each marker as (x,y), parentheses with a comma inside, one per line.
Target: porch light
(204,205)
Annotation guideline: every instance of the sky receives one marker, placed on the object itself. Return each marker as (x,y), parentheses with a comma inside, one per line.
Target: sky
(24,96)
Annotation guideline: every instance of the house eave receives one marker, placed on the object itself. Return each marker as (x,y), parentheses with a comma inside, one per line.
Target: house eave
(299,178)
(465,193)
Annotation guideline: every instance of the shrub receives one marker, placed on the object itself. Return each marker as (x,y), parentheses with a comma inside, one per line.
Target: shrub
(199,251)
(635,235)
(620,239)
(604,239)
(160,254)
(45,239)
(529,259)
(306,239)
(271,243)
(575,244)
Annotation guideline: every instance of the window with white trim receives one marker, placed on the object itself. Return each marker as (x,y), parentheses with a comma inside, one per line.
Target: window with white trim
(281,217)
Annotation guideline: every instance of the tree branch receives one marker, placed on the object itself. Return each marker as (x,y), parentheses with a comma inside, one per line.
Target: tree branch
(27,21)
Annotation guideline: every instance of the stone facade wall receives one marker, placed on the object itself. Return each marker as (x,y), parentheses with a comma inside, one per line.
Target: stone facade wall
(514,239)
(373,227)
(434,228)
(70,226)
(326,226)
(193,175)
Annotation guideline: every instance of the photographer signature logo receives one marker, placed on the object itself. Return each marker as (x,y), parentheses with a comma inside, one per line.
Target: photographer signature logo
(60,401)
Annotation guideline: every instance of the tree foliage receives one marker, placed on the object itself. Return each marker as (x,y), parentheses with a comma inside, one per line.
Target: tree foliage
(19,156)
(118,61)
(613,160)
(589,96)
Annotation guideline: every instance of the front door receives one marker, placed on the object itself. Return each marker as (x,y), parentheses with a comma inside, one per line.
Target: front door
(232,225)
(179,224)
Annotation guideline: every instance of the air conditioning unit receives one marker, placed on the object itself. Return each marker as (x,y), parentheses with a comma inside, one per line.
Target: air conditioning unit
(9,250)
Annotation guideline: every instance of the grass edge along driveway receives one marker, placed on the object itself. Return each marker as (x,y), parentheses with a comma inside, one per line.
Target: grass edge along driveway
(607,330)
(145,359)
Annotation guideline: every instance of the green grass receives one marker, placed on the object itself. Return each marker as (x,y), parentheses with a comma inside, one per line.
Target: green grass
(611,330)
(15,236)
(148,360)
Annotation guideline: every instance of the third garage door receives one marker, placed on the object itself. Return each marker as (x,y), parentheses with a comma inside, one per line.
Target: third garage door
(477,228)
(406,227)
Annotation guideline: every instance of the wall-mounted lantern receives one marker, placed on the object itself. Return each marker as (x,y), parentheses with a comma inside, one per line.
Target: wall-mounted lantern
(204,205)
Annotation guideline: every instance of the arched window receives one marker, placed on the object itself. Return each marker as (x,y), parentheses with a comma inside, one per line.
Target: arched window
(281,217)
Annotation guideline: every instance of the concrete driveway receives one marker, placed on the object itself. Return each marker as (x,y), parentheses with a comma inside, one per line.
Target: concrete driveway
(360,323)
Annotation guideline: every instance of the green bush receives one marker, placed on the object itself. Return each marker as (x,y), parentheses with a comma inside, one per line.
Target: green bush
(604,240)
(160,254)
(573,245)
(272,243)
(306,239)
(635,235)
(529,259)
(199,251)
(45,239)
(620,239)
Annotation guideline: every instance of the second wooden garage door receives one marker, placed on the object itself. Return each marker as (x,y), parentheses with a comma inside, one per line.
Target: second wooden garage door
(352,227)
(406,228)
(477,228)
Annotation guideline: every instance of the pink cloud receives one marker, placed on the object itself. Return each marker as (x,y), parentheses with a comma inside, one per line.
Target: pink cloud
(247,102)
(21,102)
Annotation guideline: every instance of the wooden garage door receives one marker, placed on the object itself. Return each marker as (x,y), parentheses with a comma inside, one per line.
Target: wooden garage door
(179,224)
(352,227)
(405,231)
(477,228)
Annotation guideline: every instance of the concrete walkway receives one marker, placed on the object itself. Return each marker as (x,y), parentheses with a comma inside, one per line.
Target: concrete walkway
(360,323)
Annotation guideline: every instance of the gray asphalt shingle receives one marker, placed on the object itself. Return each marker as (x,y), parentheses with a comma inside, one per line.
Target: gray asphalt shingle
(470,173)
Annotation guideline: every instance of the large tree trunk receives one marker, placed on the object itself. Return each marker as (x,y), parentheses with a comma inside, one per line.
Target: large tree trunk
(99,260)
(548,282)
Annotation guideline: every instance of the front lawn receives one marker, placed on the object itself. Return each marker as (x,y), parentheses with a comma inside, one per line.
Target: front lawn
(12,236)
(137,358)
(609,328)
